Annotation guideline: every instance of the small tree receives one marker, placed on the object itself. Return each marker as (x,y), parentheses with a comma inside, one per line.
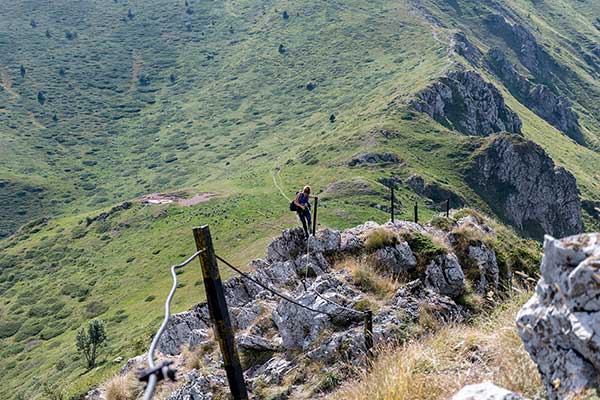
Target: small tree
(89,340)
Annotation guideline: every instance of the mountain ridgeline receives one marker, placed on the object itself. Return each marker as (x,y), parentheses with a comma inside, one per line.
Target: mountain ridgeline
(124,124)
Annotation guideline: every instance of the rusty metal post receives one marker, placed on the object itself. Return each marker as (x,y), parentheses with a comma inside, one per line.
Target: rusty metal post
(217,306)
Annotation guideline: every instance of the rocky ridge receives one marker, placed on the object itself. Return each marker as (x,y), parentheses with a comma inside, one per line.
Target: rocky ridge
(520,181)
(465,102)
(556,110)
(270,332)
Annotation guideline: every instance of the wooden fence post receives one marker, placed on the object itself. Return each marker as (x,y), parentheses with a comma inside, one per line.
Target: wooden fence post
(392,201)
(217,305)
(448,208)
(314,227)
(369,333)
(416,212)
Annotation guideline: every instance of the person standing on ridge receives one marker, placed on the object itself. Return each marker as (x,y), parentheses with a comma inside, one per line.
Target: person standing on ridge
(303,209)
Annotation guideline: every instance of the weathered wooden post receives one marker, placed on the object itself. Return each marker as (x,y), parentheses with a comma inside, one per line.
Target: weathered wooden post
(217,306)
(369,332)
(448,208)
(392,202)
(314,230)
(416,212)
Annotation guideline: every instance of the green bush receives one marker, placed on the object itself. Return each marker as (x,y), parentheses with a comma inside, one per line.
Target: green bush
(95,308)
(380,238)
(29,329)
(9,328)
(443,223)
(78,232)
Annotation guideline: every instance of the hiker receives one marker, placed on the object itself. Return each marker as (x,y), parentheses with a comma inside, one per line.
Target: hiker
(303,209)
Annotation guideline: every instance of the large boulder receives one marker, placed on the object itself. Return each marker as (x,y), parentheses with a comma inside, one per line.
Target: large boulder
(186,329)
(445,276)
(485,391)
(489,272)
(465,102)
(560,324)
(521,183)
(396,260)
(288,246)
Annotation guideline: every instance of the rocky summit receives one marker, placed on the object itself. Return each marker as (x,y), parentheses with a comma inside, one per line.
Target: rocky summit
(318,274)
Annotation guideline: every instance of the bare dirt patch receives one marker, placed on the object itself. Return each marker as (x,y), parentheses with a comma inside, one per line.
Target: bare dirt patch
(154,199)
(6,84)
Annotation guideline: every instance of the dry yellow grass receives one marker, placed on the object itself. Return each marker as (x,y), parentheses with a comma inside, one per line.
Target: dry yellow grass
(438,366)
(122,388)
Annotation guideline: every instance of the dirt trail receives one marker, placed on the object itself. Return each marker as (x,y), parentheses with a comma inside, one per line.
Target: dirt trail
(154,199)
(6,84)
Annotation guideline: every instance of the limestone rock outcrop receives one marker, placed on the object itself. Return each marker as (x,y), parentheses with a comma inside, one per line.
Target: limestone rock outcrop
(560,324)
(556,110)
(465,102)
(485,391)
(521,183)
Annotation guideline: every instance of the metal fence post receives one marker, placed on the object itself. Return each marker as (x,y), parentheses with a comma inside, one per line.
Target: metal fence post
(448,208)
(314,230)
(392,200)
(217,306)
(416,212)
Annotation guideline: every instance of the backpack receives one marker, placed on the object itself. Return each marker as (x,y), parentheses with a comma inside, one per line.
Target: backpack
(293,206)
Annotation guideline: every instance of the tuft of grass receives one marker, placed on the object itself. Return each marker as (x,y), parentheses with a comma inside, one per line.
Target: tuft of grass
(122,388)
(425,248)
(367,278)
(443,223)
(380,238)
(439,365)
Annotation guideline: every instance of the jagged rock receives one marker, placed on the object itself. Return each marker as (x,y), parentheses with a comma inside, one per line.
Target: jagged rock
(444,275)
(556,110)
(374,159)
(353,239)
(183,329)
(465,48)
(198,387)
(523,42)
(256,343)
(311,264)
(409,299)
(474,223)
(489,273)
(521,183)
(278,273)
(135,363)
(396,259)
(347,345)
(299,328)
(273,371)
(326,241)
(560,324)
(467,103)
(485,391)
(288,246)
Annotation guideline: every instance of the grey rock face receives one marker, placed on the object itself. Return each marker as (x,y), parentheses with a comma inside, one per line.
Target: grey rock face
(560,324)
(299,327)
(467,103)
(353,239)
(556,110)
(489,273)
(198,387)
(485,391)
(445,275)
(288,246)
(533,57)
(184,329)
(396,259)
(433,191)
(374,159)
(465,48)
(520,181)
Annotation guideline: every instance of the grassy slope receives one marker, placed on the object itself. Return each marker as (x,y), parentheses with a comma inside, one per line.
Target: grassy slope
(230,121)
